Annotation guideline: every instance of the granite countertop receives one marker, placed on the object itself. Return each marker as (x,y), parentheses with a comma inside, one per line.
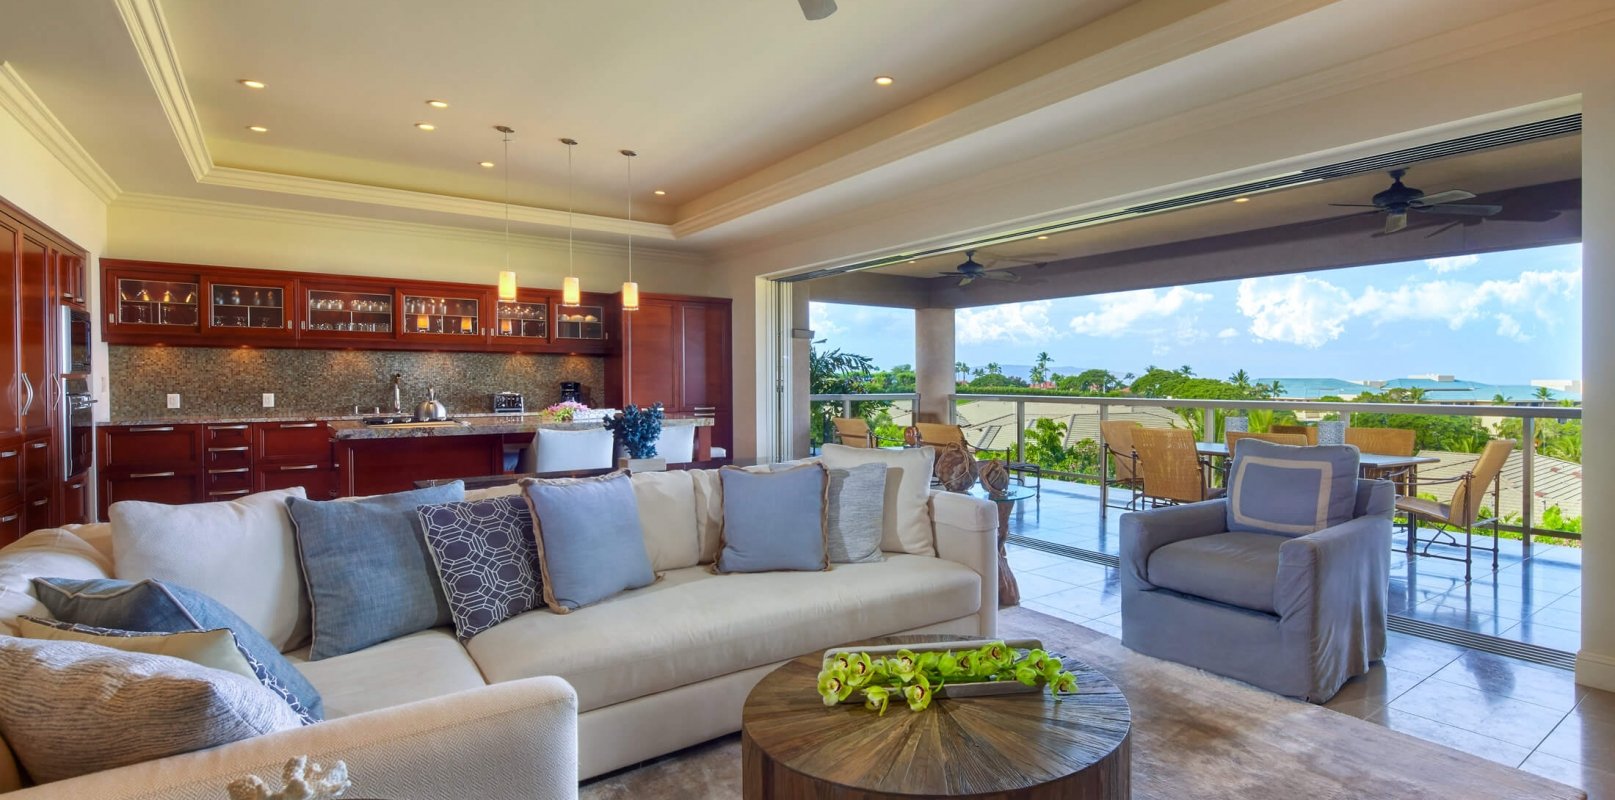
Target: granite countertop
(484,425)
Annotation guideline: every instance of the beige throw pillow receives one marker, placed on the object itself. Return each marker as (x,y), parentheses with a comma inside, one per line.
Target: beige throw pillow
(667,513)
(906,518)
(72,708)
(45,553)
(215,648)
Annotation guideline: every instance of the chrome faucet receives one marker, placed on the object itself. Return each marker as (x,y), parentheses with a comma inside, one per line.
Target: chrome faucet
(398,401)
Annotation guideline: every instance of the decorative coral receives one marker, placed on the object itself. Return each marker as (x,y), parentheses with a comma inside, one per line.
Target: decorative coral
(301,781)
(638,429)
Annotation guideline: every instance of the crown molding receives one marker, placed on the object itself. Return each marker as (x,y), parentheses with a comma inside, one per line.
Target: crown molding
(148,29)
(214,208)
(31,113)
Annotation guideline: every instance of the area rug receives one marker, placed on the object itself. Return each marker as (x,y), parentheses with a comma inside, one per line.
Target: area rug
(1195,735)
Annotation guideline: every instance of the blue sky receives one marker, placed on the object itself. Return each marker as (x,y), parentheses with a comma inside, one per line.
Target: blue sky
(1499,317)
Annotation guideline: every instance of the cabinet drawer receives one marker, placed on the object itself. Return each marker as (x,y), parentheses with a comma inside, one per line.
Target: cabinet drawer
(225,484)
(151,448)
(11,522)
(232,435)
(37,466)
(37,512)
(317,479)
(160,486)
(10,469)
(293,441)
(75,501)
(233,456)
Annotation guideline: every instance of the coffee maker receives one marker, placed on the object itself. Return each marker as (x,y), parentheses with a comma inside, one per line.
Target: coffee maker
(571,390)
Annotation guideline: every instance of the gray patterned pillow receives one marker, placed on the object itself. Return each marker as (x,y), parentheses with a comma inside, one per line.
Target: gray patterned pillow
(485,556)
(853,512)
(72,708)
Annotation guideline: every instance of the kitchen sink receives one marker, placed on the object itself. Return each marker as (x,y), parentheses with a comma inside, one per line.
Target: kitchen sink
(409,422)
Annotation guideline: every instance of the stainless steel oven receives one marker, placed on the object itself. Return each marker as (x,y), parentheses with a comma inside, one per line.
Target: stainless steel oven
(75,341)
(77,412)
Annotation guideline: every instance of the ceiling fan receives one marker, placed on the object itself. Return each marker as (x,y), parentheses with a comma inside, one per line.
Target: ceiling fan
(1400,199)
(971,270)
(817,9)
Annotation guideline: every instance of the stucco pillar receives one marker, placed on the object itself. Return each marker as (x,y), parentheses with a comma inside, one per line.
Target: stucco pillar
(933,362)
(801,373)
(1595,664)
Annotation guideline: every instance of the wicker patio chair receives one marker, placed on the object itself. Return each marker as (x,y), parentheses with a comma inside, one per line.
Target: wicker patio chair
(940,434)
(1464,510)
(1118,436)
(853,432)
(1309,431)
(1386,442)
(1169,468)
(1233,437)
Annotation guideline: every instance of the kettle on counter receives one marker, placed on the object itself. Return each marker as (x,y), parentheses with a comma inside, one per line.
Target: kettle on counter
(430,410)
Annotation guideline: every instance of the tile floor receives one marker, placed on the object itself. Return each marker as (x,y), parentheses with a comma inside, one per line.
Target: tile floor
(1510,711)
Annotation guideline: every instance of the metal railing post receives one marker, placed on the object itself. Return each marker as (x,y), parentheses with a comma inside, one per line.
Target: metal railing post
(1527,463)
(1020,430)
(1104,461)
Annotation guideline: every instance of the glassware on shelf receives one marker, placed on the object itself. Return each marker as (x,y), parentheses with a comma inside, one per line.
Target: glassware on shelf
(190,297)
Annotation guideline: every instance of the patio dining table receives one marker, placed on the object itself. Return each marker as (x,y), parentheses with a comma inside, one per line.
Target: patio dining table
(1369,463)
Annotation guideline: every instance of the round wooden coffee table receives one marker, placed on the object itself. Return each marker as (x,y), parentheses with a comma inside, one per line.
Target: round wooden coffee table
(1018,746)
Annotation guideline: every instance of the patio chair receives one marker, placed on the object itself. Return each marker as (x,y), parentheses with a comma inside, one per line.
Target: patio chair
(855,432)
(1385,442)
(938,434)
(1170,471)
(1309,431)
(1464,510)
(1118,436)
(1297,439)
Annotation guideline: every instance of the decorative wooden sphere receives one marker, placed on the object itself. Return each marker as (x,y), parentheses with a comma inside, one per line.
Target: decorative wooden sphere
(994,476)
(955,468)
(911,436)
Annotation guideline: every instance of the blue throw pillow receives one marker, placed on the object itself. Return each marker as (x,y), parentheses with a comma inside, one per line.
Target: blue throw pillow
(1290,490)
(370,577)
(155,606)
(590,543)
(774,520)
(486,559)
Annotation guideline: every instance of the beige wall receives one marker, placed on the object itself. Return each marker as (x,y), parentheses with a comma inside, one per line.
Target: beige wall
(1596,664)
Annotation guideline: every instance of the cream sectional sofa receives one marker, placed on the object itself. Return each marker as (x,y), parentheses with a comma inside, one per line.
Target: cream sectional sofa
(531,706)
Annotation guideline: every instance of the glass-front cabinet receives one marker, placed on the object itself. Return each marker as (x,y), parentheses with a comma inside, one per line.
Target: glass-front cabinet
(580,322)
(522,321)
(347,312)
(456,317)
(249,307)
(155,303)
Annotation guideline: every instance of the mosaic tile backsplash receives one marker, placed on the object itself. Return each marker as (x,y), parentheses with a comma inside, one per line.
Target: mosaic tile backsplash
(230,382)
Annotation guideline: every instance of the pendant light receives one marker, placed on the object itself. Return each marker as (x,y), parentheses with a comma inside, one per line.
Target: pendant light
(507,278)
(571,294)
(630,290)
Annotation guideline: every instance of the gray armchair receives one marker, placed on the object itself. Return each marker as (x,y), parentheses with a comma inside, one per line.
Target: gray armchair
(1296,615)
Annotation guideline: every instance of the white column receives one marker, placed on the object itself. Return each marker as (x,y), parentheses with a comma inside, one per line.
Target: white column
(801,373)
(933,362)
(1595,664)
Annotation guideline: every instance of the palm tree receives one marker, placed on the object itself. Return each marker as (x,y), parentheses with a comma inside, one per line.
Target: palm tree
(1499,400)
(1186,371)
(1240,379)
(978,372)
(961,370)
(1416,395)
(993,368)
(1543,393)
(1040,370)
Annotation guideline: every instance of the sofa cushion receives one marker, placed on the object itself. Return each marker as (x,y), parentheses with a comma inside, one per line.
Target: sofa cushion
(48,552)
(1238,568)
(852,513)
(1285,489)
(419,666)
(164,608)
(238,552)
(369,573)
(590,543)
(906,516)
(10,772)
(667,517)
(486,559)
(72,708)
(708,511)
(694,625)
(774,520)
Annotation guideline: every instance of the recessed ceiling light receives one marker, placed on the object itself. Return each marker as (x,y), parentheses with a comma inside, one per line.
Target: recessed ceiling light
(1242,199)
(251,84)
(660,193)
(438,103)
(884,80)
(257,129)
(485,164)
(1042,238)
(426,126)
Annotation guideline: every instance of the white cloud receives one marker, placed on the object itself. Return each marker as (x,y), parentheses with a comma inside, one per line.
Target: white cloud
(1122,313)
(1227,333)
(1019,323)
(1509,328)
(823,320)
(1451,263)
(1300,309)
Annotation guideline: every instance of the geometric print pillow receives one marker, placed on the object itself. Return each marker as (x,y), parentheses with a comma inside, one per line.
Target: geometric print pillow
(486,558)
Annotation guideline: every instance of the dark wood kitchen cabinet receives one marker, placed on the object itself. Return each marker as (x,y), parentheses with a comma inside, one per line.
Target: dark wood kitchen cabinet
(194,463)
(159,463)
(676,350)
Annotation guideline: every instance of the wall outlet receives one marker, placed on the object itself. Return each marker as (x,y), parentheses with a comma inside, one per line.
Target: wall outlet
(173,401)
(269,400)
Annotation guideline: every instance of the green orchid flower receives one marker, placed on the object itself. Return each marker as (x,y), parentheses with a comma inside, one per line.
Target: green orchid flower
(918,694)
(1052,668)
(876,698)
(928,661)
(998,654)
(860,670)
(1037,660)
(1025,674)
(903,666)
(833,686)
(841,661)
(1063,683)
(948,666)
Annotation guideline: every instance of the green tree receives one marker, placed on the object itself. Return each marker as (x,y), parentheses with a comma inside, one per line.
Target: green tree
(993,368)
(1416,394)
(993,380)
(1094,381)
(1045,443)
(1040,370)
(837,372)
(961,372)
(1499,400)
(1543,393)
(1241,378)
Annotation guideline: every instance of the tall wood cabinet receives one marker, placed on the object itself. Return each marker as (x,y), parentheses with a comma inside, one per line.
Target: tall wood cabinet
(39,273)
(676,350)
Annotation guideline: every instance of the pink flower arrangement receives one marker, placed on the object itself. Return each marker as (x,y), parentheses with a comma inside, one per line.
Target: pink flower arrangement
(563,412)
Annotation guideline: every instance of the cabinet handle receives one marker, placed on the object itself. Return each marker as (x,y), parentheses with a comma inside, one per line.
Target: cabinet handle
(110,319)
(68,296)
(38,445)
(76,486)
(228,449)
(8,518)
(169,474)
(706,408)
(9,454)
(228,471)
(288,324)
(285,425)
(41,501)
(158,429)
(299,467)
(28,384)
(228,427)
(230,493)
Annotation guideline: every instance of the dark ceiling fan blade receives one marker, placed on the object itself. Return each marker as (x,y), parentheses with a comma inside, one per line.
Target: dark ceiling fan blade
(1007,277)
(966,280)
(954,274)
(817,9)
(1451,196)
(1395,222)
(1354,205)
(1466,210)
